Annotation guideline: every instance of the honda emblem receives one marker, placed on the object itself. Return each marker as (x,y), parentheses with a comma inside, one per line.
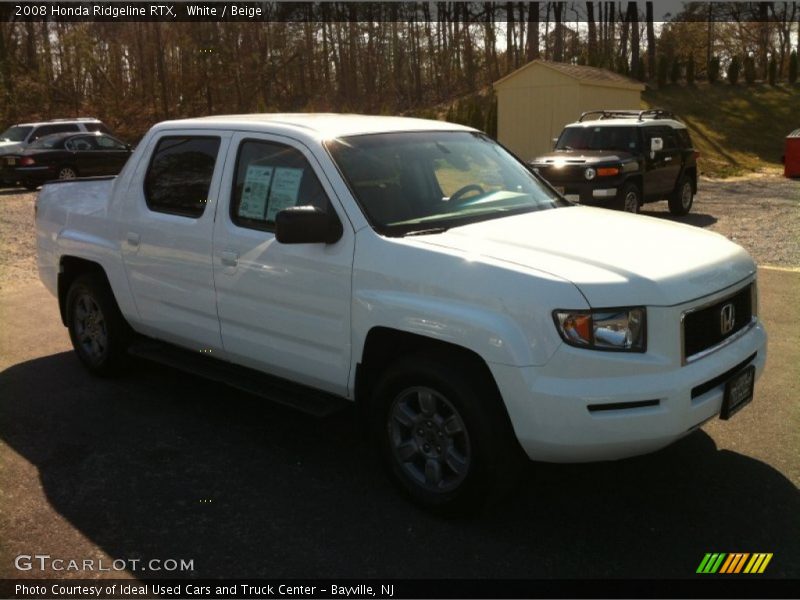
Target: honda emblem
(727,319)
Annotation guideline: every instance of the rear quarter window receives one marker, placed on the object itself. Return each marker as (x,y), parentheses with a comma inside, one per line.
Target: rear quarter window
(179,176)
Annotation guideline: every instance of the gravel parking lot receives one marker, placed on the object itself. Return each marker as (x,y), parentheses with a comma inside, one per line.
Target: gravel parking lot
(158,464)
(762,213)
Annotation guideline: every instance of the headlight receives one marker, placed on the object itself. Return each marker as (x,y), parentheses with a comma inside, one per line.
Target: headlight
(615,329)
(589,173)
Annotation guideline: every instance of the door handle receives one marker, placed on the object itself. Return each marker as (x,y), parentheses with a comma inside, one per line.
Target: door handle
(133,238)
(229,258)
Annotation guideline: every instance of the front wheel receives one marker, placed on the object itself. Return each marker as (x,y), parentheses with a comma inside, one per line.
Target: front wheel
(680,203)
(629,198)
(443,434)
(97,329)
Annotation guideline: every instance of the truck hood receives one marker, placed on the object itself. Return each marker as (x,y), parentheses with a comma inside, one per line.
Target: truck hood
(615,259)
(10,147)
(581,157)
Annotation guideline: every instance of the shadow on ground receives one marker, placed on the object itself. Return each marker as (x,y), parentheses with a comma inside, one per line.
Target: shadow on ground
(158,464)
(696,219)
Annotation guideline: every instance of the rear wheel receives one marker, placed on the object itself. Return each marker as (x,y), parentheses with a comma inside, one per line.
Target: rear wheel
(67,173)
(97,329)
(443,434)
(629,198)
(681,200)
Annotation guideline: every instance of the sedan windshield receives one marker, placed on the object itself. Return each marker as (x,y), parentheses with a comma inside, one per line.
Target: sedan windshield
(424,182)
(15,134)
(598,138)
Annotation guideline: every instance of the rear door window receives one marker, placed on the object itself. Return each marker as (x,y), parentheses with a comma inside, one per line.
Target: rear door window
(179,176)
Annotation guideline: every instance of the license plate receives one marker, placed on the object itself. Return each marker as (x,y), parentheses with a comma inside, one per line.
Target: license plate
(11,161)
(573,197)
(738,392)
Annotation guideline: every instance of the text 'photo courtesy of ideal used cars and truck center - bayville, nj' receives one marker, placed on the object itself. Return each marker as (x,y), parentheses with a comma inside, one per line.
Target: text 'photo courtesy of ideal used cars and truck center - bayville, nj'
(399,299)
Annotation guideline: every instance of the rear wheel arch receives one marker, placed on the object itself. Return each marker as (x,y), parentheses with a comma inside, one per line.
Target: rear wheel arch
(70,269)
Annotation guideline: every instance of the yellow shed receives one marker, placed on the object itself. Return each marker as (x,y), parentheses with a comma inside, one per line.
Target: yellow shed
(537,100)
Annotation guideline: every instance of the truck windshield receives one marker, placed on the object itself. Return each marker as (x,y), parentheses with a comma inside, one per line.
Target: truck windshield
(15,134)
(622,139)
(424,182)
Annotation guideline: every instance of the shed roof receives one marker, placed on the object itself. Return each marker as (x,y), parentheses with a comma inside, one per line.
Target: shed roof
(588,75)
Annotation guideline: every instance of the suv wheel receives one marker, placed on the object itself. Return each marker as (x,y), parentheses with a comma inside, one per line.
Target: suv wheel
(629,199)
(681,200)
(97,329)
(442,433)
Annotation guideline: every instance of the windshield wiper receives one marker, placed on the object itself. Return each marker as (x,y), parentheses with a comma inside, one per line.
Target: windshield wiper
(429,231)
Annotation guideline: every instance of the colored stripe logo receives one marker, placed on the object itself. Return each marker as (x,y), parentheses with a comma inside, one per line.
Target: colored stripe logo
(735,562)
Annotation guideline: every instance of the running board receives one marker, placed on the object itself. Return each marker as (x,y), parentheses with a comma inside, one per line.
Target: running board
(308,400)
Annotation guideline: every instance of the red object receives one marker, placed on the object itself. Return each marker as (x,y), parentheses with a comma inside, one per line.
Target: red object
(791,159)
(26,161)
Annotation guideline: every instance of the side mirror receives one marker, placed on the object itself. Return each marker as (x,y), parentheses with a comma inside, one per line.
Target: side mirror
(555,141)
(307,225)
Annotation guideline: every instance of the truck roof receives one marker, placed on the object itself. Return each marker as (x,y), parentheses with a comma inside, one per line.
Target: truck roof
(318,125)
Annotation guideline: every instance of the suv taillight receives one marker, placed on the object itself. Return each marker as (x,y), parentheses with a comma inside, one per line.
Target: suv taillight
(26,161)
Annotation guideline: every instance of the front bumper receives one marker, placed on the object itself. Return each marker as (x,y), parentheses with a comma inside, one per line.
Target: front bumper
(597,192)
(549,405)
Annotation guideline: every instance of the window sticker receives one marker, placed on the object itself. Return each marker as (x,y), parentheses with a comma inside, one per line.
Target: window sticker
(284,192)
(254,192)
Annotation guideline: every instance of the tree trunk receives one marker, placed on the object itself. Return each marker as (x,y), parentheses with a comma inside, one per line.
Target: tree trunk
(651,43)
(558,14)
(633,20)
(591,57)
(533,31)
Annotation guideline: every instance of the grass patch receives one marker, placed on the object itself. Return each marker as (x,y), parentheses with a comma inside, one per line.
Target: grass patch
(737,129)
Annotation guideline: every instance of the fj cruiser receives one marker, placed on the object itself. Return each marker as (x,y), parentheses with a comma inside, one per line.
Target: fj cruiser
(622,159)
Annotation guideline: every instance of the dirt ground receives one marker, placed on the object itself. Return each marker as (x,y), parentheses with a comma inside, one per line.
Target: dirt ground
(762,213)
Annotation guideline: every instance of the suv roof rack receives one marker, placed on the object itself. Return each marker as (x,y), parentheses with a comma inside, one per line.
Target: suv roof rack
(640,115)
(76,119)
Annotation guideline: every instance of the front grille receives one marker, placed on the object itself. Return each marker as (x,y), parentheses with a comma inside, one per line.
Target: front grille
(565,174)
(702,329)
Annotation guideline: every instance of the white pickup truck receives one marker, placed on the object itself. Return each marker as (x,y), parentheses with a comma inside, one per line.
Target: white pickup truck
(416,268)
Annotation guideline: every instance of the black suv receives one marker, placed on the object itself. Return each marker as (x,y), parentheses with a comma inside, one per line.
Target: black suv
(622,159)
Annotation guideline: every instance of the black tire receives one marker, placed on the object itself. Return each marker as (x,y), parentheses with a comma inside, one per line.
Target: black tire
(468,436)
(682,198)
(98,331)
(629,198)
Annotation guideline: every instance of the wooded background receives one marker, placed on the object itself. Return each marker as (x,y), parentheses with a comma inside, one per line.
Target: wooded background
(398,58)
